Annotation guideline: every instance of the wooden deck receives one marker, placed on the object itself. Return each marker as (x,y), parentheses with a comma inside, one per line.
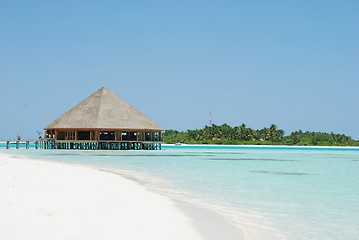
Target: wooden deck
(103,145)
(18,144)
(84,145)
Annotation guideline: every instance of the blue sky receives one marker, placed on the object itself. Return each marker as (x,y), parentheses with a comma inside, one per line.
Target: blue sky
(291,63)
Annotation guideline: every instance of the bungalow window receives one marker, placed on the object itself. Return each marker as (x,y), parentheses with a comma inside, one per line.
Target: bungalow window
(125,136)
(63,135)
(70,135)
(133,136)
(107,136)
(147,136)
(83,135)
(157,136)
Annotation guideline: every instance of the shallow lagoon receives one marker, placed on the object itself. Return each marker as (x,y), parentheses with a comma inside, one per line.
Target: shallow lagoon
(271,192)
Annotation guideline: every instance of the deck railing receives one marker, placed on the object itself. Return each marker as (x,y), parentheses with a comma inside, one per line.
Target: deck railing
(82,145)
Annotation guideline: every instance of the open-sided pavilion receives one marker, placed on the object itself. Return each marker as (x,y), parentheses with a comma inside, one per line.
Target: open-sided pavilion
(103,121)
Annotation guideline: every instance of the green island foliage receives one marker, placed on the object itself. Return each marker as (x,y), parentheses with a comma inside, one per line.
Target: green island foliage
(243,135)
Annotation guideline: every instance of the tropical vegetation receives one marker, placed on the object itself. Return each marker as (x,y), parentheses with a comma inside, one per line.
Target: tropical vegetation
(272,135)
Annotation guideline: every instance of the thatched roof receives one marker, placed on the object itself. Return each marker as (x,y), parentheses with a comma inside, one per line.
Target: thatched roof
(103,110)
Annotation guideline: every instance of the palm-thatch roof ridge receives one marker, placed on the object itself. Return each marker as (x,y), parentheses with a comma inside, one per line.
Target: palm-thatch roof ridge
(104,110)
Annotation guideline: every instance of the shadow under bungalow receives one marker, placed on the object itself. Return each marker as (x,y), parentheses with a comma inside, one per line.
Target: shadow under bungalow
(103,121)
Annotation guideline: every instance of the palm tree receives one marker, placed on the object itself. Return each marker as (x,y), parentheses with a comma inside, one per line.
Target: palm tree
(274,134)
(243,133)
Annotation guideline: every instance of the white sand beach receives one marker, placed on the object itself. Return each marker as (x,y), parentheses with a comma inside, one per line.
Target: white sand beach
(42,200)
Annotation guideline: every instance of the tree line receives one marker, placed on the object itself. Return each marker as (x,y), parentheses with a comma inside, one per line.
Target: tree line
(225,134)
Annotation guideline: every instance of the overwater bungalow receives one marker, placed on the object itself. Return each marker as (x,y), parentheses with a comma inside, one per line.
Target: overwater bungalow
(103,121)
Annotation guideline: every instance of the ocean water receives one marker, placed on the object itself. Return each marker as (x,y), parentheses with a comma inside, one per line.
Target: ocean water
(268,192)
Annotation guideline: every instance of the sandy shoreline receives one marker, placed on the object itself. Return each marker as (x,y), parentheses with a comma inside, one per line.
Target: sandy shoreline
(43,200)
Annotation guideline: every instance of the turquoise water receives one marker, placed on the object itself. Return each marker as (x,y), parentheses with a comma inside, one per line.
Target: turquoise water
(269,192)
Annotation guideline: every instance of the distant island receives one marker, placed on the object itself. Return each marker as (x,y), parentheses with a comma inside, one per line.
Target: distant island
(243,135)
